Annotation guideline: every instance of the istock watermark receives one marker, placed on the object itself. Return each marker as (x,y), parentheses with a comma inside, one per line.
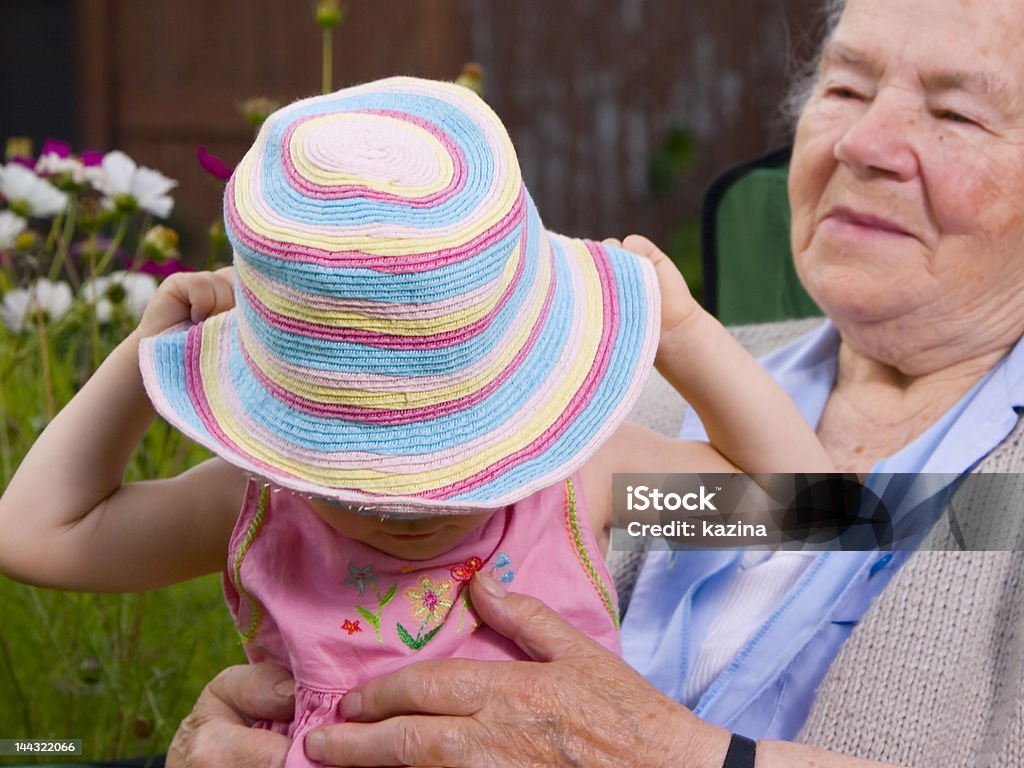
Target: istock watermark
(818,512)
(641,498)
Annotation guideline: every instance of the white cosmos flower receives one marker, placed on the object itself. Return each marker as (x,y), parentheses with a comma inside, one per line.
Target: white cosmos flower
(15,308)
(52,164)
(129,290)
(11,225)
(19,305)
(126,185)
(28,194)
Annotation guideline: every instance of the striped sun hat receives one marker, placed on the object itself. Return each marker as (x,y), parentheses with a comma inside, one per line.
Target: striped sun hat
(405,329)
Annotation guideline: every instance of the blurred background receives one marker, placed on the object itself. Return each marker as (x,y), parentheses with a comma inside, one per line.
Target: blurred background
(622,111)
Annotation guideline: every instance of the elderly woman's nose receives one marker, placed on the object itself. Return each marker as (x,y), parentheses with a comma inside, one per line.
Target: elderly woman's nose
(880,140)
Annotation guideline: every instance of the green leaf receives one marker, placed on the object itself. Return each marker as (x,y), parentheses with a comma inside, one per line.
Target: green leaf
(388,595)
(429,636)
(405,637)
(417,642)
(374,620)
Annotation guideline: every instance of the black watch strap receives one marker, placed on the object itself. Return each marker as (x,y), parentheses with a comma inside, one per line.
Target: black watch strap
(741,752)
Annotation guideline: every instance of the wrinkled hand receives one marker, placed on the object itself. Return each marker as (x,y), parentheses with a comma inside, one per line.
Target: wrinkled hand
(187,296)
(576,704)
(217,732)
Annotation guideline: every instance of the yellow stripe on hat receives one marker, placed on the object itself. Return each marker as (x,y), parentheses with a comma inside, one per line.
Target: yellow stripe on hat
(390,483)
(391,242)
(410,399)
(425,326)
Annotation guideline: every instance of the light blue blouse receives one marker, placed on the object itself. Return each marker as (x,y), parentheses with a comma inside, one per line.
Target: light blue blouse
(767,690)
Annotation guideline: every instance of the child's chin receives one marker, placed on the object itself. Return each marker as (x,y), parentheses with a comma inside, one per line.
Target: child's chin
(413,547)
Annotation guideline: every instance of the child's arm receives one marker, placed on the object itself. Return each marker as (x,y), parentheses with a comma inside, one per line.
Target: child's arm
(66,520)
(753,425)
(750,420)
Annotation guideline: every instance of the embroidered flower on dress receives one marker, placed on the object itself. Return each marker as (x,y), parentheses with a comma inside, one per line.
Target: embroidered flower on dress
(502,561)
(431,602)
(351,626)
(360,577)
(464,571)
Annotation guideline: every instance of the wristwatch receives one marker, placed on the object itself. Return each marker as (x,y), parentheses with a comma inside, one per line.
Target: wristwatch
(741,753)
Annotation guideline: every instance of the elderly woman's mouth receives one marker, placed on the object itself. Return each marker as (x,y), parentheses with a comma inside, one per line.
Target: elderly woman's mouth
(860,223)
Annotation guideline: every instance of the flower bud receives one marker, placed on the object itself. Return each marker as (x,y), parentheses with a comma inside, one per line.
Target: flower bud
(160,243)
(18,146)
(91,214)
(218,237)
(258,109)
(330,13)
(472,77)
(27,240)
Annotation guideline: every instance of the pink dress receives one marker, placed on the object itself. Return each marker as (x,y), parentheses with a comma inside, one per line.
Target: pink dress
(337,612)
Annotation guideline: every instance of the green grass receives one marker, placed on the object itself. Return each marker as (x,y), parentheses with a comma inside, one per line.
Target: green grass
(117,671)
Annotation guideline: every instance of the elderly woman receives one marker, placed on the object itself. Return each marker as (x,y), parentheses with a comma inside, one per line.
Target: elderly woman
(907,193)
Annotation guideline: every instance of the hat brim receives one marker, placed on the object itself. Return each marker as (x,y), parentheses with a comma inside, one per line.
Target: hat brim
(575,381)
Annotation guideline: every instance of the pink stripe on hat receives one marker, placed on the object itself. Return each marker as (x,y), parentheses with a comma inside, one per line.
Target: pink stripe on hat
(351,259)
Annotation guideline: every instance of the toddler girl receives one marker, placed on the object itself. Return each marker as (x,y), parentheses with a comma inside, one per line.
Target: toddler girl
(411,382)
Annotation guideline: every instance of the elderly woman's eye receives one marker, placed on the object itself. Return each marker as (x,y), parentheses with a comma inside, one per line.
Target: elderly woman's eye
(954,117)
(842,92)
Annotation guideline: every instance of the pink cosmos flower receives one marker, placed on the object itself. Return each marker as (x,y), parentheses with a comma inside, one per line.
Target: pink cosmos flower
(212,164)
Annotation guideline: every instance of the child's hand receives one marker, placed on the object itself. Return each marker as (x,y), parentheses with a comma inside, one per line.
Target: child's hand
(677,303)
(187,296)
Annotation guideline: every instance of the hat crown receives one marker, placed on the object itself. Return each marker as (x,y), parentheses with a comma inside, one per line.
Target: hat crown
(399,191)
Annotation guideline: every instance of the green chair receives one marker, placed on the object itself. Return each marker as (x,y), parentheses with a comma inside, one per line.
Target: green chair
(745,252)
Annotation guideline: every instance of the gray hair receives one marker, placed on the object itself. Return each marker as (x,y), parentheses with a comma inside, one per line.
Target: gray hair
(804,75)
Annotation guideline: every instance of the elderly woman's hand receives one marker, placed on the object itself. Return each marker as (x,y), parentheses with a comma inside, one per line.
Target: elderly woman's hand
(581,706)
(217,732)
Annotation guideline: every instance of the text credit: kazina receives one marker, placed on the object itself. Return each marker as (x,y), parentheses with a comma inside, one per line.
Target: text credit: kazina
(677,529)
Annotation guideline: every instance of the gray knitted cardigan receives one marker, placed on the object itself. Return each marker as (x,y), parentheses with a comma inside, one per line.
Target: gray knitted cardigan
(934,673)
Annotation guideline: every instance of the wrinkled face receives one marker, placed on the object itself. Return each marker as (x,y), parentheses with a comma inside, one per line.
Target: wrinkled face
(401,535)
(907,180)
